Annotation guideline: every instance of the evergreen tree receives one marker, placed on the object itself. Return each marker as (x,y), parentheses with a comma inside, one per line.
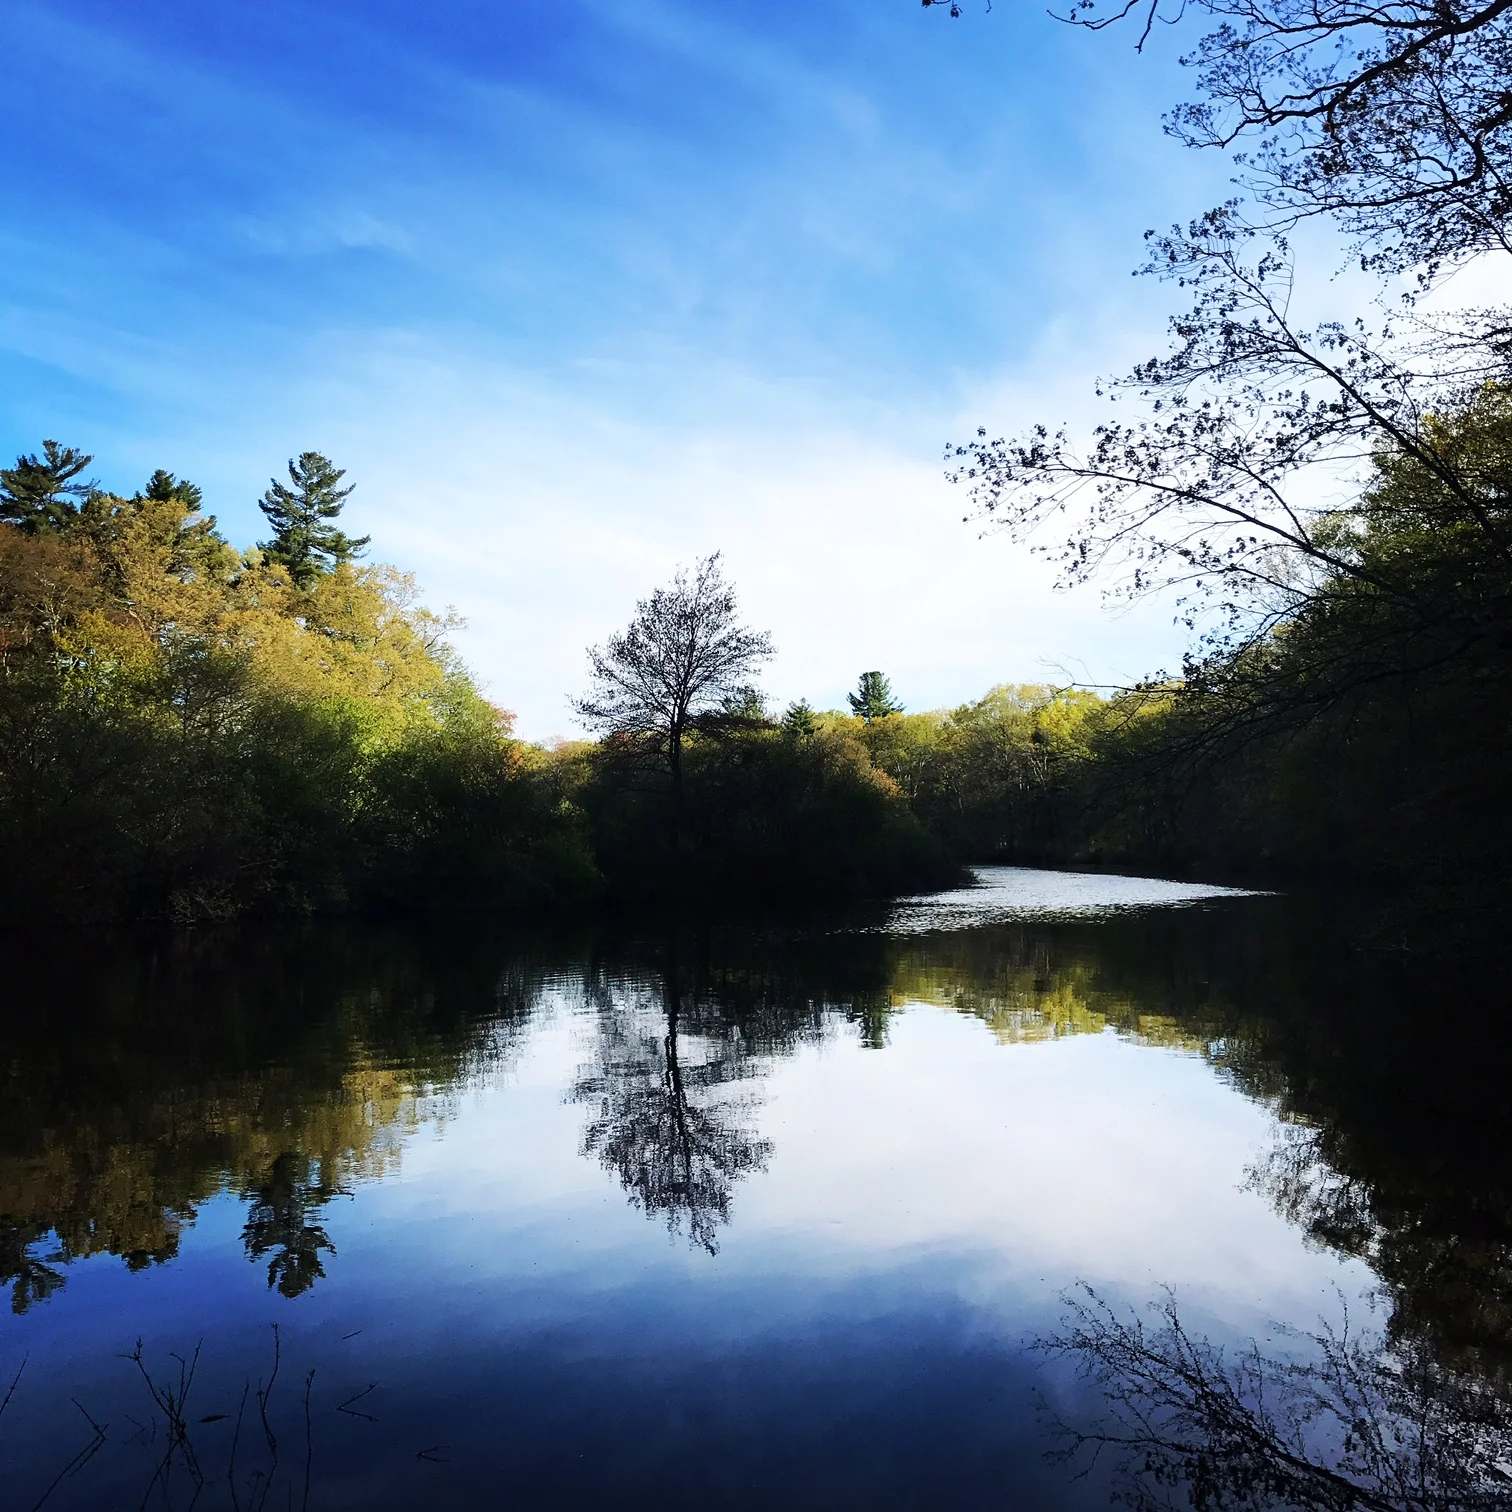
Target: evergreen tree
(873,698)
(39,493)
(163,487)
(800,720)
(304,541)
(745,705)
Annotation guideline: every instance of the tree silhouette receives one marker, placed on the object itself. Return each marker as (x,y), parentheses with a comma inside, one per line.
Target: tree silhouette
(1392,119)
(666,1127)
(682,657)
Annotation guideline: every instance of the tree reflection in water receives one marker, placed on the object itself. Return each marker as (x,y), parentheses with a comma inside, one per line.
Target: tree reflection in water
(31,1276)
(667,1122)
(288,1068)
(278,1219)
(1354,1423)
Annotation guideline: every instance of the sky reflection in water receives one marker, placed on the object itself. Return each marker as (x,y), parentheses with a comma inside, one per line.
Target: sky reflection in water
(743,1216)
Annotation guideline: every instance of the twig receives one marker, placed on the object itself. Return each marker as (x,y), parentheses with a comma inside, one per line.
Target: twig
(173,1406)
(309,1442)
(235,1439)
(346,1406)
(79,1460)
(263,1396)
(15,1382)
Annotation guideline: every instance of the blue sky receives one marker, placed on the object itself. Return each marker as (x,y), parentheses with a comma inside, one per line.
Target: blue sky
(577,292)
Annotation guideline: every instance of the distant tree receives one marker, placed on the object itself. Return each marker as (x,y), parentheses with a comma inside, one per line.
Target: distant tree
(304,539)
(800,720)
(873,698)
(683,655)
(39,493)
(744,707)
(164,488)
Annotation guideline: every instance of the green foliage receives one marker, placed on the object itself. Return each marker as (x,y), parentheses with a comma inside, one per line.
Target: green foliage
(873,698)
(190,732)
(305,542)
(39,493)
(766,815)
(163,487)
(186,733)
(799,720)
(744,705)
(1364,735)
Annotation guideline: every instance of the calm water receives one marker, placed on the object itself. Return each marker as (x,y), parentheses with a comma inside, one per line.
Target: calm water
(741,1216)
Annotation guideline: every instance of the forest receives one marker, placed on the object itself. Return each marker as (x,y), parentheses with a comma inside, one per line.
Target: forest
(190,731)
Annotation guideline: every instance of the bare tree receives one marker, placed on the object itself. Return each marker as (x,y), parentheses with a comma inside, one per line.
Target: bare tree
(683,655)
(1213,488)
(669,1123)
(1391,117)
(1359,1426)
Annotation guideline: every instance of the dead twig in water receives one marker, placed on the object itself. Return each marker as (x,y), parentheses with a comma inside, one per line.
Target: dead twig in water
(78,1462)
(350,1411)
(15,1382)
(173,1405)
(309,1442)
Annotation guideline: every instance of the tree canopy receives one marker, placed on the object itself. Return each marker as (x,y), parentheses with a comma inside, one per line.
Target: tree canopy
(1390,117)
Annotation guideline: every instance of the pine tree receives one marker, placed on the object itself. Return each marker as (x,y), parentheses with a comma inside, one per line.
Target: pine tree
(873,698)
(304,541)
(162,486)
(800,720)
(39,493)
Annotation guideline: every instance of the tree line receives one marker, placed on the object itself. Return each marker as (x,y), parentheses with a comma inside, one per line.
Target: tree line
(1328,505)
(191,731)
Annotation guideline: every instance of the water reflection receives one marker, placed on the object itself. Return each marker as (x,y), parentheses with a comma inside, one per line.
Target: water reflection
(279,1221)
(1345,1421)
(667,1115)
(288,1072)
(161,1074)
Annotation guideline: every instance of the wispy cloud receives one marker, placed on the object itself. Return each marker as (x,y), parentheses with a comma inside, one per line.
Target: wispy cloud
(576,294)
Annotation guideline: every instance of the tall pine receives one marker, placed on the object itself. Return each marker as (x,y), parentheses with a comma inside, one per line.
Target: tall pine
(39,493)
(873,698)
(300,512)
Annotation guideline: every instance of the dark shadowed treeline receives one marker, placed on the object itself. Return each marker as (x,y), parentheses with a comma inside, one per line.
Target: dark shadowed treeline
(193,732)
(1356,732)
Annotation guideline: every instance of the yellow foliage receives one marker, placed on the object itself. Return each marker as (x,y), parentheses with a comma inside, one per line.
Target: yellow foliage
(137,584)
